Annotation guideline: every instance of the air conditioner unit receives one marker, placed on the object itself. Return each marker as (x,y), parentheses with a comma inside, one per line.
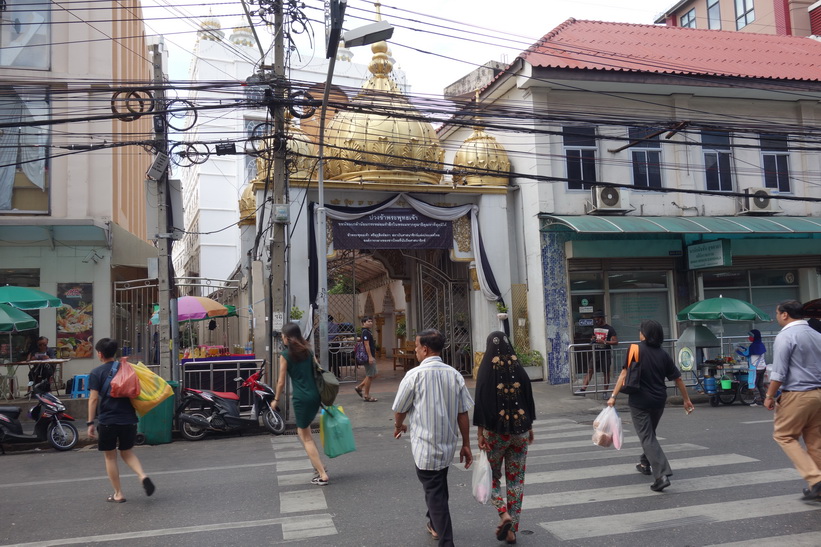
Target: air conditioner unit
(606,199)
(758,201)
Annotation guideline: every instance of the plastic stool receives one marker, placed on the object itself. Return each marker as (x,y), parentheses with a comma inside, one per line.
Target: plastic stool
(79,387)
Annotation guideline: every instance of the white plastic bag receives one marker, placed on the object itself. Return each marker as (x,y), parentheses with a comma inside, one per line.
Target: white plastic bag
(607,429)
(482,479)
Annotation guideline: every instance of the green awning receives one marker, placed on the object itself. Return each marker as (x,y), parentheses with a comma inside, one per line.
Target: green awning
(683,225)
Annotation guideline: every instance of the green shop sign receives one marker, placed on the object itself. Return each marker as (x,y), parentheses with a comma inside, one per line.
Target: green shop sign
(709,255)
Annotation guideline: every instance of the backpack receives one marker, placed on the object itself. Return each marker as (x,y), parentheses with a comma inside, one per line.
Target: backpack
(360,354)
(326,384)
(632,380)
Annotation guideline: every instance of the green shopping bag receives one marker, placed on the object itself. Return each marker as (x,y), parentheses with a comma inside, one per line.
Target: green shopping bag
(335,432)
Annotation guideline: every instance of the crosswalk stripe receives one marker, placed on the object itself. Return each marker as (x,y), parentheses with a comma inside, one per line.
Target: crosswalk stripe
(294,465)
(625,468)
(585,432)
(285,454)
(299,501)
(536,446)
(539,501)
(320,525)
(808,539)
(604,454)
(554,421)
(293,523)
(561,427)
(294,479)
(642,521)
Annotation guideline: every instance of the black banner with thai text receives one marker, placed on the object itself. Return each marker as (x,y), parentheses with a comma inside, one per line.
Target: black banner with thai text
(393,229)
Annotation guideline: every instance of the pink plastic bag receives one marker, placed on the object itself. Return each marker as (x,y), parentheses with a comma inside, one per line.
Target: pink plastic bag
(607,429)
(125,383)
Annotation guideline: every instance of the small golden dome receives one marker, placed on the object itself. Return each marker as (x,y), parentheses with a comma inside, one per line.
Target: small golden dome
(381,136)
(210,29)
(248,206)
(481,161)
(242,36)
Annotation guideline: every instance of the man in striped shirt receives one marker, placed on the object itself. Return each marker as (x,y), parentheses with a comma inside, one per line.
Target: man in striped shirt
(437,401)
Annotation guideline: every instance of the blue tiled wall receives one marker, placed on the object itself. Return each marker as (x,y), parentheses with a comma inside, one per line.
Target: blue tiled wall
(554,267)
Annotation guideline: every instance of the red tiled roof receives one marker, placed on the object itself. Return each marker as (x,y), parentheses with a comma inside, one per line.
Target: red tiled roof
(598,45)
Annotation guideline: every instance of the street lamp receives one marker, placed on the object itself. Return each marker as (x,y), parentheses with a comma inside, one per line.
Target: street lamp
(368,34)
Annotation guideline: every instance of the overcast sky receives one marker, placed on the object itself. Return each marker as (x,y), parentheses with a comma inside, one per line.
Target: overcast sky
(436,42)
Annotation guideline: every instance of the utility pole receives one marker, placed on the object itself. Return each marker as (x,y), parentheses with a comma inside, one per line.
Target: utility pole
(279,306)
(167,327)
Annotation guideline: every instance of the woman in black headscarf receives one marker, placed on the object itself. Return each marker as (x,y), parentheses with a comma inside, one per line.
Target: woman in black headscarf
(504,414)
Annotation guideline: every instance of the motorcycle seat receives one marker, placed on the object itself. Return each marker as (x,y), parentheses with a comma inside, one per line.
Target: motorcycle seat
(221,394)
(226,395)
(10,411)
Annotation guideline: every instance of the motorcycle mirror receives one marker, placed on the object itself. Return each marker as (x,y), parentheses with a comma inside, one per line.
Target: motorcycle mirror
(238,379)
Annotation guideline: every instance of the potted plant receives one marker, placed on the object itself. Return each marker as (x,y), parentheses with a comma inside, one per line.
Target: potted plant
(296,313)
(533,363)
(501,310)
(401,329)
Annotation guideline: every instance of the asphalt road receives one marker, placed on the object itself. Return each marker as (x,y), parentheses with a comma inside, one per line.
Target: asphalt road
(732,485)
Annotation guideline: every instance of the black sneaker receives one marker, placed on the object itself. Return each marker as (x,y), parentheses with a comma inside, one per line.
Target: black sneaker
(643,469)
(660,484)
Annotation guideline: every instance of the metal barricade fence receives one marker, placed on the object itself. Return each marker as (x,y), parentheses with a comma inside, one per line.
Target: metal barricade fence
(219,376)
(584,360)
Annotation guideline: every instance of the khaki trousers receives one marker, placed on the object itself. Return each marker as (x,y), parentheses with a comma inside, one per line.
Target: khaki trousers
(798,414)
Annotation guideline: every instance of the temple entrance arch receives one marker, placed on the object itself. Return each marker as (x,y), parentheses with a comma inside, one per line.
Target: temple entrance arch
(423,288)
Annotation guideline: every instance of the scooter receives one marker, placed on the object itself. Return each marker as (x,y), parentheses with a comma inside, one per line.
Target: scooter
(51,423)
(203,410)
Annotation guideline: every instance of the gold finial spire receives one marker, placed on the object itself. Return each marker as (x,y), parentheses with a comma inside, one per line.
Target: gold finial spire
(378,6)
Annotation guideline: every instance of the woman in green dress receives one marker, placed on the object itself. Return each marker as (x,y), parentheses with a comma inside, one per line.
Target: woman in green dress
(297,362)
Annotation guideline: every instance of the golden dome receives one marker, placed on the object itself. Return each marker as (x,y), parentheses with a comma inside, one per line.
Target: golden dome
(482,161)
(301,155)
(366,142)
(248,206)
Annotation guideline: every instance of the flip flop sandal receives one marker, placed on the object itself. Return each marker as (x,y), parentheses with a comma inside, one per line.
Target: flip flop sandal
(148,486)
(112,499)
(370,399)
(501,532)
(359,392)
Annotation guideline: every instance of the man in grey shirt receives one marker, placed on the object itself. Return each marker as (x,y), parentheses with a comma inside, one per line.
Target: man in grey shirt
(797,372)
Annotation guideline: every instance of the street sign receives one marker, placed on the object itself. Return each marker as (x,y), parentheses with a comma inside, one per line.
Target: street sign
(334,13)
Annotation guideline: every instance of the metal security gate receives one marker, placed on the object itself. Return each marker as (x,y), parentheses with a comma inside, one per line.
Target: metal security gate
(442,303)
(131,321)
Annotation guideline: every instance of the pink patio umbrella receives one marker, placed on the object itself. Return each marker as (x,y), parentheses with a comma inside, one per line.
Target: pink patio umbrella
(192,308)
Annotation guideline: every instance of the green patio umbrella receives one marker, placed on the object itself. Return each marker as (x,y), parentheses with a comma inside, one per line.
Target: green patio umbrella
(13,320)
(722,309)
(27,298)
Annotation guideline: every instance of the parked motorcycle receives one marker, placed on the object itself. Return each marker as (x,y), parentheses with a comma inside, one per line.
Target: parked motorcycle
(51,423)
(203,410)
